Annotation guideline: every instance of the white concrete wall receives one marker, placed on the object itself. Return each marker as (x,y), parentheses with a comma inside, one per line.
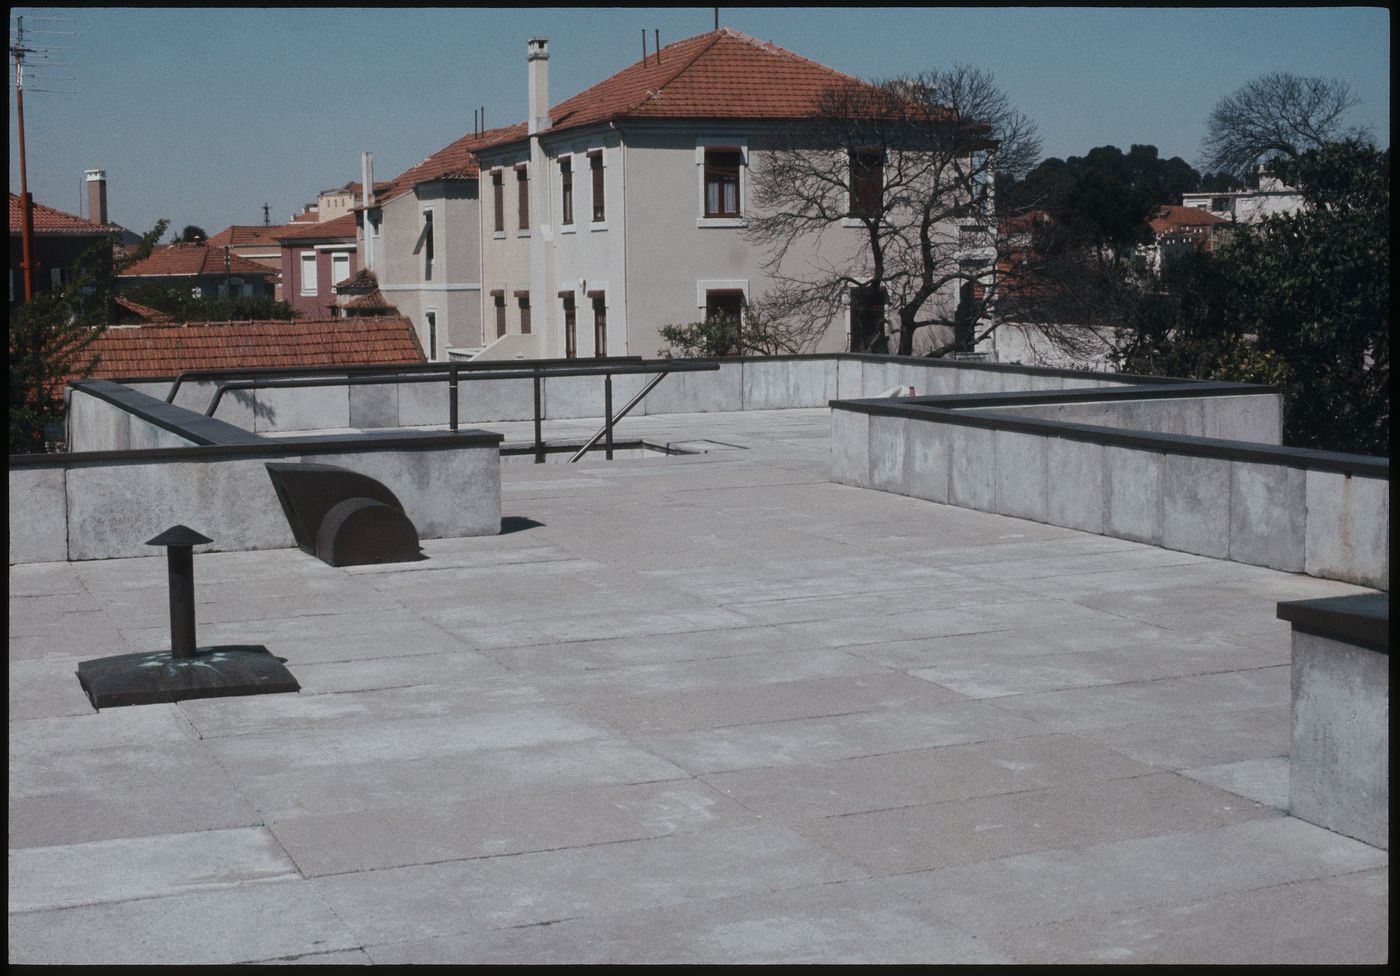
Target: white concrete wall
(76,509)
(1339,761)
(1253,417)
(1280,515)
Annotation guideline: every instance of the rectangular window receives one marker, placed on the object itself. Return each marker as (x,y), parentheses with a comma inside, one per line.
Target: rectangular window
(308,272)
(522,185)
(600,323)
(722,182)
(727,305)
(56,276)
(867,318)
(498,192)
(867,182)
(566,189)
(499,298)
(340,266)
(570,325)
(595,165)
(431,319)
(523,298)
(426,245)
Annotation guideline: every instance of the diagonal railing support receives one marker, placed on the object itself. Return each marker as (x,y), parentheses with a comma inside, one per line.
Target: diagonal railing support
(612,419)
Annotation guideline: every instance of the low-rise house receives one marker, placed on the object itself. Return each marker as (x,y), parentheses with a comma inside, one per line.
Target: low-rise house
(624,207)
(256,243)
(203,270)
(1177,231)
(315,256)
(57,241)
(1248,206)
(422,237)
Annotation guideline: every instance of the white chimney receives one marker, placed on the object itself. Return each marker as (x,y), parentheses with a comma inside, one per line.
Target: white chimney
(366,198)
(97,195)
(537,58)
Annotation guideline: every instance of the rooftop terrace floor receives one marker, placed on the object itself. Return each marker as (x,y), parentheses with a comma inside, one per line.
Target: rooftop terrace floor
(707,709)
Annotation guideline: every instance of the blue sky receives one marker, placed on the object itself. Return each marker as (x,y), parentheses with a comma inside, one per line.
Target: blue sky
(203,115)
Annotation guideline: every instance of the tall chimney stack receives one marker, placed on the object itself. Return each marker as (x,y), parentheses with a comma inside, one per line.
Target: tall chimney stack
(537,58)
(97,195)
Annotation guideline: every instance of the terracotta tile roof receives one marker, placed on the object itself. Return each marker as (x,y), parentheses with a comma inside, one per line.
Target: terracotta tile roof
(47,220)
(342,227)
(374,299)
(191,260)
(1171,218)
(456,161)
(239,235)
(362,280)
(143,312)
(722,74)
(166,350)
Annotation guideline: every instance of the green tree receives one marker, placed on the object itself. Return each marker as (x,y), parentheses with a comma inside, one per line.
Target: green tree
(758,333)
(190,235)
(1303,300)
(50,338)
(181,305)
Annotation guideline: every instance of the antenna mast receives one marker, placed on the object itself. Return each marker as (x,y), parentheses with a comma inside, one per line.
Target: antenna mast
(18,52)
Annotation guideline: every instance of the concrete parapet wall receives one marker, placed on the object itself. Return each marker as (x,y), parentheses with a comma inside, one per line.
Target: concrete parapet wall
(1252,417)
(1296,511)
(1339,760)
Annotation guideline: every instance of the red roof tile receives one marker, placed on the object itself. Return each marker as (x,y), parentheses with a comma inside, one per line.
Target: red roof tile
(342,227)
(239,235)
(720,75)
(47,220)
(167,350)
(1170,218)
(144,312)
(190,260)
(456,161)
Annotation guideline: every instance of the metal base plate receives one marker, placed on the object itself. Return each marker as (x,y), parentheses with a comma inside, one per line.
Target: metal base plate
(214,672)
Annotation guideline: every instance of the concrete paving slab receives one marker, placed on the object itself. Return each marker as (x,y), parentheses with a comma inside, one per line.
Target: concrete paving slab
(800,792)
(1209,737)
(1264,781)
(985,828)
(144,867)
(1329,921)
(839,737)
(255,922)
(456,896)
(283,790)
(495,826)
(46,687)
(747,703)
(1176,868)
(853,922)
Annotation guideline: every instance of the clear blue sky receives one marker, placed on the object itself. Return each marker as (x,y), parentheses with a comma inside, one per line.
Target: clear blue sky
(202,115)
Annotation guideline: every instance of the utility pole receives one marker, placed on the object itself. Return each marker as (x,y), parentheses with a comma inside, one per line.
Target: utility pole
(18,51)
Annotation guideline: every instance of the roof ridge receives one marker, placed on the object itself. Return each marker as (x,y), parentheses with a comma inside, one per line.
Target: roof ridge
(647,95)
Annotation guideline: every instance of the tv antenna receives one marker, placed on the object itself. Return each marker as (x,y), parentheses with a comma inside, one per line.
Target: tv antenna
(23,54)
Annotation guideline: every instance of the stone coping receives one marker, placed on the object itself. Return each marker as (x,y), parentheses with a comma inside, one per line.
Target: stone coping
(961,410)
(1362,619)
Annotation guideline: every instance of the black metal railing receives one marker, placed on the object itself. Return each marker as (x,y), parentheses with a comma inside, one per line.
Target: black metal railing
(455,373)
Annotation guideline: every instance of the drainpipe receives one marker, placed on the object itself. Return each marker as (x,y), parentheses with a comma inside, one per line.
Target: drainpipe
(366,195)
(542,231)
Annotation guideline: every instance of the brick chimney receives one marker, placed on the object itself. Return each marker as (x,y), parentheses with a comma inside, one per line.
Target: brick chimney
(97,195)
(537,58)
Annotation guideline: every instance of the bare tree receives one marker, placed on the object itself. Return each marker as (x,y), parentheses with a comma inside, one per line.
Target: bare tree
(883,200)
(1278,114)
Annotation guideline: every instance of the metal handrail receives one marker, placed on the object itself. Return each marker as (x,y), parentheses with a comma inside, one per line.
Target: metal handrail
(452,372)
(379,368)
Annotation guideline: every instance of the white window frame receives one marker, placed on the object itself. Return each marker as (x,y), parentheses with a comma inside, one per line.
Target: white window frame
(740,143)
(720,284)
(303,255)
(337,278)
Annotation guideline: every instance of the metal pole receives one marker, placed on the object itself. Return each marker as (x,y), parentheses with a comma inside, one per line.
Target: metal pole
(452,396)
(539,432)
(607,407)
(180,560)
(26,205)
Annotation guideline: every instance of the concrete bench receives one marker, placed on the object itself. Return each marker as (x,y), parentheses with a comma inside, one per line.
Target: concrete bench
(1339,764)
